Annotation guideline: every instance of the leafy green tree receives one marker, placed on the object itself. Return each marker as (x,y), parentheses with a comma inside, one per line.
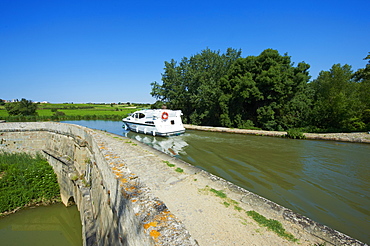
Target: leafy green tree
(337,101)
(266,91)
(2,102)
(362,77)
(158,104)
(363,73)
(21,108)
(193,85)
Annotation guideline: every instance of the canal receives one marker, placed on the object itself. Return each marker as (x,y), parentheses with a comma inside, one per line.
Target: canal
(327,181)
(42,226)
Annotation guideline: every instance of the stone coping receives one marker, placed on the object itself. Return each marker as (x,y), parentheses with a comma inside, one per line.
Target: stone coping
(355,137)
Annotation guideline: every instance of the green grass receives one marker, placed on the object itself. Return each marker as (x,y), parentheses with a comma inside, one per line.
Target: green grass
(47,112)
(271,224)
(179,170)
(218,193)
(25,179)
(169,164)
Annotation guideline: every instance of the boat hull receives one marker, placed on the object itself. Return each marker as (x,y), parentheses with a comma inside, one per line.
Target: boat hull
(150,129)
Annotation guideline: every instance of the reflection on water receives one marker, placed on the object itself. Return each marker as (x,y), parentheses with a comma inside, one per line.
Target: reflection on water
(327,181)
(51,225)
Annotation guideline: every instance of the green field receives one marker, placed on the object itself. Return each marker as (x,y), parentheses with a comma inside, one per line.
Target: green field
(57,112)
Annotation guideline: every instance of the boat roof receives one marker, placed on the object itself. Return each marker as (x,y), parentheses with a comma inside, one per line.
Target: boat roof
(155,110)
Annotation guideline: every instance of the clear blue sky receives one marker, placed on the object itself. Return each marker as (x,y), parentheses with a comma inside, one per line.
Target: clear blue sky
(111,50)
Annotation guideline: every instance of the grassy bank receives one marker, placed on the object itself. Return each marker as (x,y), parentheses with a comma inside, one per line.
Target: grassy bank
(24,180)
(58,112)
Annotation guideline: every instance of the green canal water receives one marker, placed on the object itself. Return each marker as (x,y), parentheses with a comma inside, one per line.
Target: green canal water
(54,225)
(327,181)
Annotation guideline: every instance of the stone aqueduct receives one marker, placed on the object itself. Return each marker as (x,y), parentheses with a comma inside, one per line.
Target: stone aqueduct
(116,208)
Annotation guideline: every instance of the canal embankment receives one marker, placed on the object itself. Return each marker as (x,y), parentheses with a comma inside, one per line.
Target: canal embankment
(355,137)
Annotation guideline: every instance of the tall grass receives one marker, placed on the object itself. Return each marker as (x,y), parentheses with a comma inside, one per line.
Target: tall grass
(25,179)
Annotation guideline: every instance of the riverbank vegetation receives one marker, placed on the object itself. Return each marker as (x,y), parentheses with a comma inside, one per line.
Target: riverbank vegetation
(66,111)
(265,92)
(26,179)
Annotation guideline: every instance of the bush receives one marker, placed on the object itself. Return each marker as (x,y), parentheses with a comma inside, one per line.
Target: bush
(295,133)
(22,108)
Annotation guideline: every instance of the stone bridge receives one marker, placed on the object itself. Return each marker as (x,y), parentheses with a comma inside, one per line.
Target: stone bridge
(130,194)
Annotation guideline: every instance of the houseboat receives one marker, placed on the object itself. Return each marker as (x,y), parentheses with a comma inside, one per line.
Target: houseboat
(156,122)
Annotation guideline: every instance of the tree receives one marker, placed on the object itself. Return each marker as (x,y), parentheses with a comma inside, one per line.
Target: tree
(337,101)
(21,108)
(158,104)
(265,91)
(193,85)
(362,77)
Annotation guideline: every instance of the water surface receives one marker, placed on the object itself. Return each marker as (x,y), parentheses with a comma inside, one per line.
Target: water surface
(54,225)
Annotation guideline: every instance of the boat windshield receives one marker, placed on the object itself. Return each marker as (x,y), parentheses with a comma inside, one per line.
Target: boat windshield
(139,115)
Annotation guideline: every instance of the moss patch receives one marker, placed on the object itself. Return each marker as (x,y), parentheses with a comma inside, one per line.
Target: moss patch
(271,224)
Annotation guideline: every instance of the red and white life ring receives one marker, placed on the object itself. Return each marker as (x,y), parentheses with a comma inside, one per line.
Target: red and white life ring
(165,115)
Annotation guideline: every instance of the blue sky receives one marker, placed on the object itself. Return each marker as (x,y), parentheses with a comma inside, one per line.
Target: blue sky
(111,50)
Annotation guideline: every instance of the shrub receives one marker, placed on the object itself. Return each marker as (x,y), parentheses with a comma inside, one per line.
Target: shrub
(295,133)
(23,108)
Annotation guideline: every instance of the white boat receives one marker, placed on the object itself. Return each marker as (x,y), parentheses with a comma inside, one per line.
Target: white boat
(156,122)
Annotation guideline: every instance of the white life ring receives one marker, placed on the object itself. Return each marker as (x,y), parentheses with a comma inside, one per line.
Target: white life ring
(165,115)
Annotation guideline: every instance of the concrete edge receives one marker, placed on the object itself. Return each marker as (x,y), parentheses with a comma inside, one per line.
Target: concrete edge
(360,137)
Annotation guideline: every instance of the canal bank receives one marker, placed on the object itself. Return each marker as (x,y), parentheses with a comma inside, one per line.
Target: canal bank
(356,137)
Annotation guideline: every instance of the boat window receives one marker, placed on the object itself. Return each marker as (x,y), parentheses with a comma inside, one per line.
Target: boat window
(141,115)
(172,122)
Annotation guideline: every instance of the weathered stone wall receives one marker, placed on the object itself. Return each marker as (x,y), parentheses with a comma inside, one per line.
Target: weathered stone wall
(103,192)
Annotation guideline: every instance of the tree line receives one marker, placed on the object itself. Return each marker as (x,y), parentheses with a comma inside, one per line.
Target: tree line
(266,91)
